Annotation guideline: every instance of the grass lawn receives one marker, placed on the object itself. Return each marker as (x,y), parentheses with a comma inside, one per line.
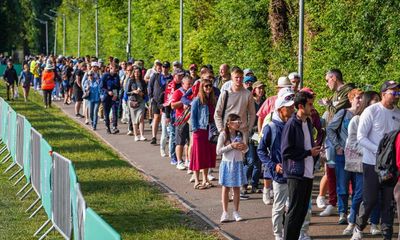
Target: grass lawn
(116,191)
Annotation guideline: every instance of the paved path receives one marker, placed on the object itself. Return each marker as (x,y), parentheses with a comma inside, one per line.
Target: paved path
(258,225)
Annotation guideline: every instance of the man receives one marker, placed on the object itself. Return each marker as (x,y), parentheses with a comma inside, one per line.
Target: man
(110,87)
(168,117)
(156,89)
(78,88)
(298,156)
(11,78)
(155,69)
(294,78)
(339,100)
(248,82)
(224,76)
(269,151)
(182,125)
(193,72)
(240,102)
(375,121)
(176,65)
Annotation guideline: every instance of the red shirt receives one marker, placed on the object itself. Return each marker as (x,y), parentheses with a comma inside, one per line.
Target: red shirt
(176,97)
(267,107)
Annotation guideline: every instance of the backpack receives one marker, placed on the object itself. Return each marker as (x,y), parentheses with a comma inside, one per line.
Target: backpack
(385,165)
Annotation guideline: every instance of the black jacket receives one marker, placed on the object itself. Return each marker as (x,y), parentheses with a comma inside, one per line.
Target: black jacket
(10,75)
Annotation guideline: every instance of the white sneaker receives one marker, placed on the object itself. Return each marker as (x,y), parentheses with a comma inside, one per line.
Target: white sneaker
(304,236)
(142,138)
(192,179)
(266,197)
(321,202)
(329,210)
(224,217)
(375,229)
(211,177)
(130,133)
(349,229)
(236,216)
(162,152)
(278,238)
(189,171)
(357,234)
(136,138)
(180,165)
(187,162)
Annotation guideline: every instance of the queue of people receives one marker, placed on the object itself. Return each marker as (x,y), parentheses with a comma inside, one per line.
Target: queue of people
(273,142)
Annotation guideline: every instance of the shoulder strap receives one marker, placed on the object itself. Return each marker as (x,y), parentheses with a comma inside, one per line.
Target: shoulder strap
(272,126)
(225,103)
(341,121)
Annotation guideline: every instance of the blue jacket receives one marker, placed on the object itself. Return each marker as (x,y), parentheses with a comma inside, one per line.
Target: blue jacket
(110,83)
(271,157)
(292,147)
(94,88)
(199,115)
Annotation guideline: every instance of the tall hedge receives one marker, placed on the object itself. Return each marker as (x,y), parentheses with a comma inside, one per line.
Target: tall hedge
(359,37)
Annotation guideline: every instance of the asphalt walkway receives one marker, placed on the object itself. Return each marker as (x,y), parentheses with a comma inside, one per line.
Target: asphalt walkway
(207,203)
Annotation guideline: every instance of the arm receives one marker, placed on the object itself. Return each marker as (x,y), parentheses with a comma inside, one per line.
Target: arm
(194,114)
(175,105)
(218,112)
(333,128)
(151,86)
(221,148)
(264,151)
(352,138)
(185,99)
(288,145)
(366,123)
(251,112)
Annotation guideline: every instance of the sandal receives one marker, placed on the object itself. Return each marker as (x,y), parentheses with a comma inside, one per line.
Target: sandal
(199,186)
(208,185)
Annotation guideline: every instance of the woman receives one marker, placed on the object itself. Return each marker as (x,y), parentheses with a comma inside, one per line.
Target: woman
(26,79)
(93,86)
(353,164)
(136,92)
(48,83)
(203,153)
(337,134)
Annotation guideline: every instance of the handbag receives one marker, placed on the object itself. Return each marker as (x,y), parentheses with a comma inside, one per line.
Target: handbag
(86,94)
(213,133)
(353,160)
(133,103)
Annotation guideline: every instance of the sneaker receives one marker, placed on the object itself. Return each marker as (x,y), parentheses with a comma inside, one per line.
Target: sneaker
(173,161)
(329,210)
(187,162)
(224,217)
(108,131)
(357,234)
(375,229)
(142,138)
(130,133)
(321,202)
(278,238)
(266,197)
(349,229)
(211,177)
(136,138)
(115,131)
(236,216)
(189,171)
(304,236)
(181,166)
(342,219)
(153,141)
(162,153)
(76,115)
(243,196)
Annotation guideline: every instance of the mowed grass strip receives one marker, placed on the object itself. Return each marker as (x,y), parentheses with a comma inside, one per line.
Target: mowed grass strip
(115,190)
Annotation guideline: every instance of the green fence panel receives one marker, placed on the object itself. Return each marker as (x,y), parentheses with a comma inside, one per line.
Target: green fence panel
(27,150)
(74,199)
(18,68)
(46,165)
(4,119)
(13,134)
(97,228)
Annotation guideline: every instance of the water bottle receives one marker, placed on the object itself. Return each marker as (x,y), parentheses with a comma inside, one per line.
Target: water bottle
(238,137)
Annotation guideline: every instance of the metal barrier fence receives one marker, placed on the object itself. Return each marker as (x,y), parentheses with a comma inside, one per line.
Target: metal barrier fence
(61,195)
(35,160)
(53,178)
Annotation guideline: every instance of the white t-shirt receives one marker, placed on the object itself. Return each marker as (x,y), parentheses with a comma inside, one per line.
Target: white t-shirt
(308,161)
(375,121)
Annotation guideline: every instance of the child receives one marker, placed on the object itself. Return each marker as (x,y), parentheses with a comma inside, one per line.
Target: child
(231,173)
(26,79)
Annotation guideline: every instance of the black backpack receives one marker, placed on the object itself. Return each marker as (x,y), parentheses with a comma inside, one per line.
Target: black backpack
(386,159)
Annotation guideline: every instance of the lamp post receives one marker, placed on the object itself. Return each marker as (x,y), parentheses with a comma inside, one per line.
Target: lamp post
(63,15)
(47,34)
(181,33)
(55,31)
(79,27)
(301,40)
(97,29)
(128,45)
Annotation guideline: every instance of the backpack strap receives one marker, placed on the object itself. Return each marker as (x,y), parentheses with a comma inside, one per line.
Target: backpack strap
(272,126)
(226,96)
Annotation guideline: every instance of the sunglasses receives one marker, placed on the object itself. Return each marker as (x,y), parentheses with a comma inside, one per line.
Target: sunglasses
(394,93)
(236,122)
(208,86)
(90,75)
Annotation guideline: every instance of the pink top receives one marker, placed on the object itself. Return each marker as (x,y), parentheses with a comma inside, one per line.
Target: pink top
(267,107)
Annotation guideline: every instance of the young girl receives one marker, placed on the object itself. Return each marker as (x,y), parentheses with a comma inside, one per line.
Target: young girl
(231,173)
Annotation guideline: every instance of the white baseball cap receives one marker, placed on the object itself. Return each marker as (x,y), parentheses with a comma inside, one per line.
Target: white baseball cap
(285,98)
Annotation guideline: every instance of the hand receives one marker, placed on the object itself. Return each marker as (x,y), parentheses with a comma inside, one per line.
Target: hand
(235,145)
(110,93)
(339,151)
(315,151)
(278,168)
(114,98)
(241,146)
(167,121)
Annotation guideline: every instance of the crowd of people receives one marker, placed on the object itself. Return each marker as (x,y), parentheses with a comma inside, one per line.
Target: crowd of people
(275,142)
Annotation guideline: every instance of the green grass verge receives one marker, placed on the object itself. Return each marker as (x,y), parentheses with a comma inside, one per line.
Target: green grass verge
(115,190)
